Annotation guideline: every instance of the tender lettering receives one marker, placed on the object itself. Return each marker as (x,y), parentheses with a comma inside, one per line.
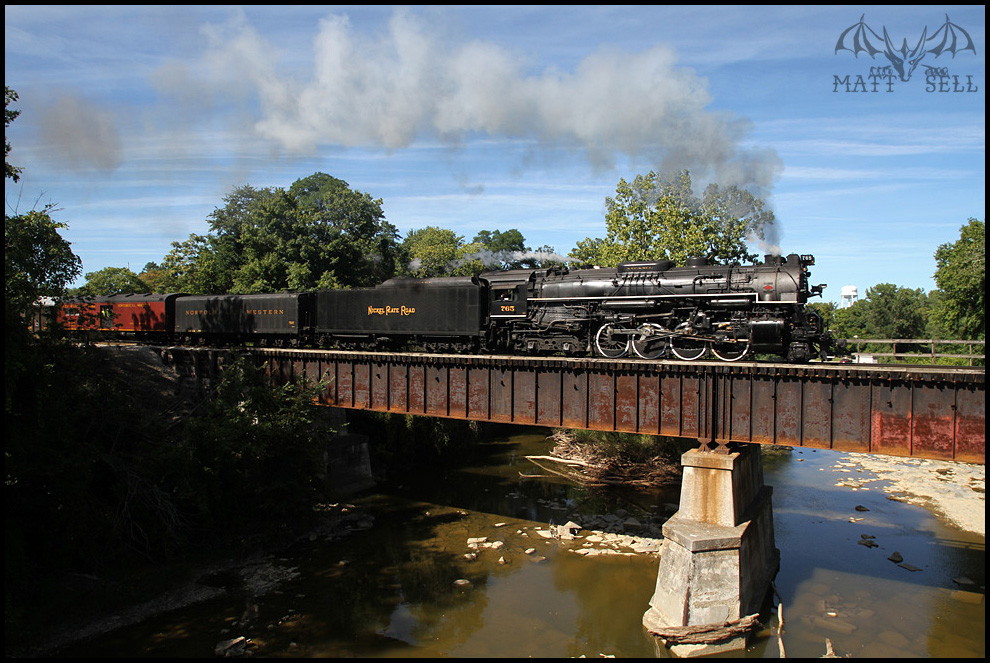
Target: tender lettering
(391,310)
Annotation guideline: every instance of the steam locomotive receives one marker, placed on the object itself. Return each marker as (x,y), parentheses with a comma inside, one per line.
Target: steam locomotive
(646,309)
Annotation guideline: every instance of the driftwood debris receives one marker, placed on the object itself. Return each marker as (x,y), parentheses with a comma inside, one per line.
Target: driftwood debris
(708,634)
(606,464)
(572,475)
(565,461)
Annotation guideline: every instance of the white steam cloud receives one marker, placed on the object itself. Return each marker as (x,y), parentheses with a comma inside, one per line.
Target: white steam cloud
(407,83)
(500,259)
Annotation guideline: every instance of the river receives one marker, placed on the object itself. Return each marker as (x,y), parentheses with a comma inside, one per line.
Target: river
(406,583)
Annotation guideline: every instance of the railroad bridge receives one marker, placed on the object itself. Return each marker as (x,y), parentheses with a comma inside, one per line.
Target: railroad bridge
(917,411)
(719,557)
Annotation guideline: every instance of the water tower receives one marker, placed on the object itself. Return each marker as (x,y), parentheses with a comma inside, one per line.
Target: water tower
(849,295)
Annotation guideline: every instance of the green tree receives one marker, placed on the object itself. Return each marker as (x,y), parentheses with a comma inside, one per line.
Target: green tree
(502,250)
(9,115)
(887,312)
(38,262)
(270,244)
(659,216)
(155,277)
(253,458)
(588,251)
(197,267)
(961,277)
(507,250)
(347,239)
(432,251)
(112,281)
(317,234)
(496,240)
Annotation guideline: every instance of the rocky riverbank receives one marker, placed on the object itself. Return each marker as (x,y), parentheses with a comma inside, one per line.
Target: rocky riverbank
(955,491)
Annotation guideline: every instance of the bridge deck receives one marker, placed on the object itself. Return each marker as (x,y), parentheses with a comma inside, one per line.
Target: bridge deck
(918,411)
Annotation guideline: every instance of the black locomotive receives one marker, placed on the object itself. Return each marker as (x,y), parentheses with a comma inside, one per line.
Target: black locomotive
(648,309)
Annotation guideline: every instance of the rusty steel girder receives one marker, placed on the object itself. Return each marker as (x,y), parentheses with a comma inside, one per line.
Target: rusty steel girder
(917,411)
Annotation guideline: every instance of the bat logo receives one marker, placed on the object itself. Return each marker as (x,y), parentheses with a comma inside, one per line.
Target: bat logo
(861,38)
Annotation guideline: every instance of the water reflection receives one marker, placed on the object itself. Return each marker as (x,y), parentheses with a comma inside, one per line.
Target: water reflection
(409,586)
(859,596)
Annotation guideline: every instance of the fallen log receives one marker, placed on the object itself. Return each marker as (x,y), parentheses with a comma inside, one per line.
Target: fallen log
(565,461)
(572,475)
(707,634)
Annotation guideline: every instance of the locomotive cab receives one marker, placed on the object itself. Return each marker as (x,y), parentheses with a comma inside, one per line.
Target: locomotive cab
(508,301)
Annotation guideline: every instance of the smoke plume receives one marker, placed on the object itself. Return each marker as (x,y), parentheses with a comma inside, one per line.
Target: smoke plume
(78,134)
(407,83)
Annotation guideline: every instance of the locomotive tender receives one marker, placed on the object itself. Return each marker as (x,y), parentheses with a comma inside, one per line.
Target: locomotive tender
(647,309)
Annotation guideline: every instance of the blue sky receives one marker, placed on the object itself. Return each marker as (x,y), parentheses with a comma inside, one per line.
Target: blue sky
(136,121)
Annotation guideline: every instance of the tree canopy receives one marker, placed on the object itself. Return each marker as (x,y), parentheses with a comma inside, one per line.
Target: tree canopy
(887,312)
(112,281)
(956,310)
(432,251)
(659,216)
(961,276)
(317,234)
(38,262)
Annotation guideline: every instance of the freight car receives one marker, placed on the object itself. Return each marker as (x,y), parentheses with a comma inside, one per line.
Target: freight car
(649,309)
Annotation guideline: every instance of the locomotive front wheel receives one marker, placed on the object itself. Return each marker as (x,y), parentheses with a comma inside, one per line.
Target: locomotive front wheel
(650,341)
(612,341)
(730,350)
(685,347)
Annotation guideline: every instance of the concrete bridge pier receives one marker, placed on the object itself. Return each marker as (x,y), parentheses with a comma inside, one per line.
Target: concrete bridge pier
(347,460)
(719,555)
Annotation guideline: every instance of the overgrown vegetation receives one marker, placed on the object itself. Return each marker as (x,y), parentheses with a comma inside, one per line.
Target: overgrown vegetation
(253,461)
(105,467)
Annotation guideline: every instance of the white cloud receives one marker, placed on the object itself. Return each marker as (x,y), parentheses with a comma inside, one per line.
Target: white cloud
(406,83)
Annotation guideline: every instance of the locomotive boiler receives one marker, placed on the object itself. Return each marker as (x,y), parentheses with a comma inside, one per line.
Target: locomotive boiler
(653,308)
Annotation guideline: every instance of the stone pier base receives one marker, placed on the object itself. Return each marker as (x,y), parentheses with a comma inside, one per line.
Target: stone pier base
(348,464)
(718,555)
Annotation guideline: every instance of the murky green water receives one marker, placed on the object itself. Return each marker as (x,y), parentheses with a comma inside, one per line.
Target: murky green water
(405,587)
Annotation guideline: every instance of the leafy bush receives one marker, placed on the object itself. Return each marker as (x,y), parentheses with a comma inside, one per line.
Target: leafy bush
(253,461)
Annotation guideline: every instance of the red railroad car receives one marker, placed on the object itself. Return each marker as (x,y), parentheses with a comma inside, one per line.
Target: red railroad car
(137,316)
